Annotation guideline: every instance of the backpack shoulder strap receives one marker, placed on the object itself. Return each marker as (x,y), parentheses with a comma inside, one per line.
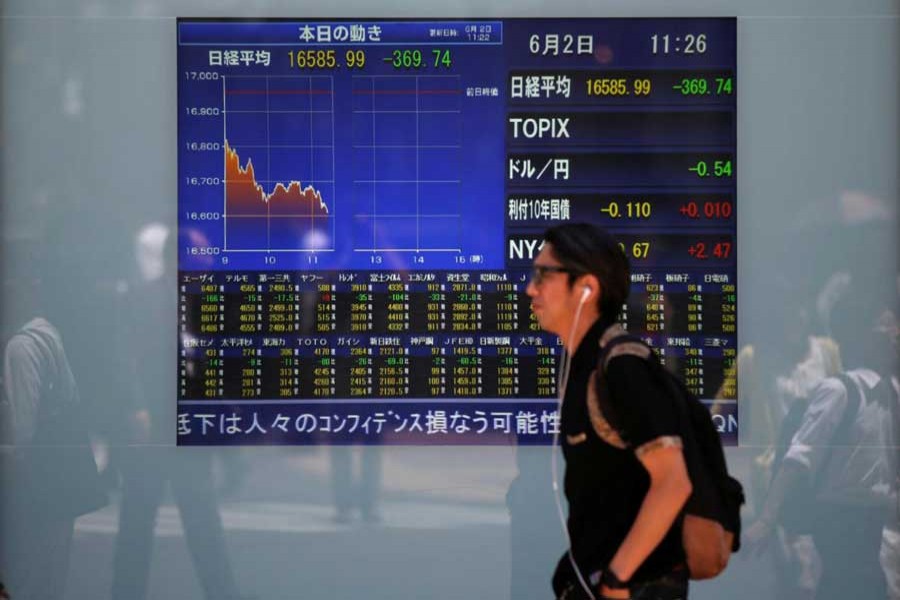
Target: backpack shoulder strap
(618,342)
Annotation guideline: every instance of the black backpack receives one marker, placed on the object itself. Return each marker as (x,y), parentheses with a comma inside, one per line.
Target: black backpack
(711,521)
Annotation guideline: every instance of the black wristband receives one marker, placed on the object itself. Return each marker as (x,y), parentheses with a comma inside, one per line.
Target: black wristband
(609,579)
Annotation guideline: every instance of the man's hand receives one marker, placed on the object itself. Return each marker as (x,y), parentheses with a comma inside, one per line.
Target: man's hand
(670,487)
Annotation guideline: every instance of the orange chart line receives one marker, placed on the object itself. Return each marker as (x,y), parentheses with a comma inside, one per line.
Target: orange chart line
(245,196)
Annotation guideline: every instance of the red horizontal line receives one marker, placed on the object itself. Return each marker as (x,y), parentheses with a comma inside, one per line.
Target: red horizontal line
(280,92)
(420,92)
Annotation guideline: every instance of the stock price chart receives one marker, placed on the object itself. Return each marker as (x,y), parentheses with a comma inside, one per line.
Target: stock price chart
(360,202)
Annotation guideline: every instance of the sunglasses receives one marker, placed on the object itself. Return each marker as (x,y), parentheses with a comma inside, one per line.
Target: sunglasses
(539,272)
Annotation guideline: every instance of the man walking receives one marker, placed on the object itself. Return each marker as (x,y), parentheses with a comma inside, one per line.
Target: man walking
(626,479)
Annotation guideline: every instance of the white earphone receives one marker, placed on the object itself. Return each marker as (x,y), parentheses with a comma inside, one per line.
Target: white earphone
(585,294)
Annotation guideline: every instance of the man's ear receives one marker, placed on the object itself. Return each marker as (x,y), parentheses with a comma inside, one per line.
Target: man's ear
(590,281)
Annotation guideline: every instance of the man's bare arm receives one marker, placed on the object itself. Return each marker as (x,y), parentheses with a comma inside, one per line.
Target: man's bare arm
(670,488)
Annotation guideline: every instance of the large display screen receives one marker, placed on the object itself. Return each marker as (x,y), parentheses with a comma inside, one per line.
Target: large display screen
(360,202)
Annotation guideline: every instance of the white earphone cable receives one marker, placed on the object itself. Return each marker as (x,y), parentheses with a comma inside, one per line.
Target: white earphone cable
(562,383)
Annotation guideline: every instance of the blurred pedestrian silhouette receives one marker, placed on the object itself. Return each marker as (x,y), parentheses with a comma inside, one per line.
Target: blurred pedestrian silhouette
(149,461)
(835,471)
(48,473)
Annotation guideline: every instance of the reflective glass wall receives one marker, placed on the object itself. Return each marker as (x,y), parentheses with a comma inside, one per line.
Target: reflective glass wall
(89,198)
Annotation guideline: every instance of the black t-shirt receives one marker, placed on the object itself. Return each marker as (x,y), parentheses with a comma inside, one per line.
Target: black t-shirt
(605,482)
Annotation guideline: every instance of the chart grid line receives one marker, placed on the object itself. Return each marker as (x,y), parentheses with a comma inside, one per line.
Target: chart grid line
(282,188)
(386,96)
